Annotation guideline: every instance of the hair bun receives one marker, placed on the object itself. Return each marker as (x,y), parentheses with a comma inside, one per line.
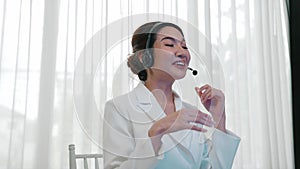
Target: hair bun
(143,75)
(134,63)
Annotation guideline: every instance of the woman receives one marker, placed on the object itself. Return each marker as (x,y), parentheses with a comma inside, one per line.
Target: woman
(150,127)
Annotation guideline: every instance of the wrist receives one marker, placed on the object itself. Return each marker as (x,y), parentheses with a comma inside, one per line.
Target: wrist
(155,133)
(222,123)
(157,129)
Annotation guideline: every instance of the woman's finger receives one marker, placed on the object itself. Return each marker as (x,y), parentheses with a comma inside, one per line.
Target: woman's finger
(204,87)
(201,90)
(198,91)
(200,118)
(205,119)
(205,95)
(207,122)
(194,127)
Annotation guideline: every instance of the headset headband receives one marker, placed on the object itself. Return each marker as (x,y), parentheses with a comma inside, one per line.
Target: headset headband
(150,32)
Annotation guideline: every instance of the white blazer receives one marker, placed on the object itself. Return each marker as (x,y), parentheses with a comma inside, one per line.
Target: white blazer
(126,144)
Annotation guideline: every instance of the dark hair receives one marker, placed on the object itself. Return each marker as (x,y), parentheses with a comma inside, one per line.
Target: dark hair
(143,38)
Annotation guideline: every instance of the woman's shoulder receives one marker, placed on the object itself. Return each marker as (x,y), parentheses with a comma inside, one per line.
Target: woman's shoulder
(117,107)
(122,100)
(129,97)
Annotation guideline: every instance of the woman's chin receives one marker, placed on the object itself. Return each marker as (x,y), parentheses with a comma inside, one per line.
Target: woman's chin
(179,76)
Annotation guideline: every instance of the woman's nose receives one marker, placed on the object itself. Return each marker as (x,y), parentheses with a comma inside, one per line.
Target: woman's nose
(181,56)
(181,52)
(180,49)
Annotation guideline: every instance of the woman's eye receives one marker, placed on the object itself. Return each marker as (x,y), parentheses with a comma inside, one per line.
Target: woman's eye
(184,47)
(169,45)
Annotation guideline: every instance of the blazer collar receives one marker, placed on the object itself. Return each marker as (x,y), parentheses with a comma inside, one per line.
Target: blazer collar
(144,96)
(148,103)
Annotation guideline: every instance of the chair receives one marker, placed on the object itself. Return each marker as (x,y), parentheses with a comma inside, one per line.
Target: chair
(73,156)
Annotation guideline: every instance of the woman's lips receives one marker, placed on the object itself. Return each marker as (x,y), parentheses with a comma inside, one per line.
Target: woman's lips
(180,64)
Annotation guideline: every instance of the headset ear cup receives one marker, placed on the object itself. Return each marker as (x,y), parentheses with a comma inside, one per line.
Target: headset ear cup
(148,59)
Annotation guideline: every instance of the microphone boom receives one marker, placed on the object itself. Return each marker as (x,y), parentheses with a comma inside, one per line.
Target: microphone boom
(194,72)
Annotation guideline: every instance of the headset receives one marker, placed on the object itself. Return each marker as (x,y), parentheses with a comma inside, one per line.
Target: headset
(147,58)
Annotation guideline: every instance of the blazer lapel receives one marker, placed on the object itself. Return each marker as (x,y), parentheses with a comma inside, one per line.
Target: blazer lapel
(147,102)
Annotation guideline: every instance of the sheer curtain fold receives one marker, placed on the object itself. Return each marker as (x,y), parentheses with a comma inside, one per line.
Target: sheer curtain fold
(47,89)
(42,43)
(14,133)
(2,30)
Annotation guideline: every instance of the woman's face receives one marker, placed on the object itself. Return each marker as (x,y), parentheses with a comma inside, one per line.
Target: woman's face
(170,53)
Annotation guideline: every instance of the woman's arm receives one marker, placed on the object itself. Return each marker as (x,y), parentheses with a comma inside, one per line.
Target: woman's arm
(214,101)
(121,150)
(180,120)
(219,152)
(221,149)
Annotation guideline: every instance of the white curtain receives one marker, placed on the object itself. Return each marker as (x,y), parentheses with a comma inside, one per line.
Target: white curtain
(60,60)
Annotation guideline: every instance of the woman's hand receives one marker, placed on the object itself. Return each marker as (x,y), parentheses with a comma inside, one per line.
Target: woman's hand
(180,120)
(214,101)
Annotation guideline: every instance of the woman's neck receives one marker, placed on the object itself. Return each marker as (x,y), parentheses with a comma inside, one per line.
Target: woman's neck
(161,89)
(163,93)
